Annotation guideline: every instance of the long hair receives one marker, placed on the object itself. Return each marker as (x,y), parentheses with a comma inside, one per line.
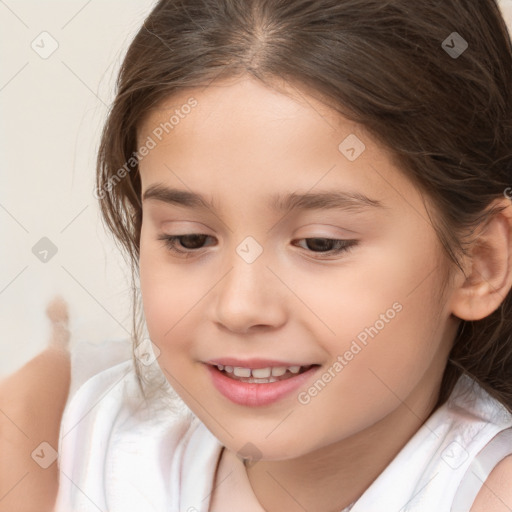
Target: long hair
(431,81)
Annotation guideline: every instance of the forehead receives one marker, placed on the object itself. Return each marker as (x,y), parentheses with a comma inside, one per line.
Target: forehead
(240,134)
(242,103)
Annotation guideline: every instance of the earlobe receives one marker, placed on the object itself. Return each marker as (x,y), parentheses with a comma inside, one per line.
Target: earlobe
(489,276)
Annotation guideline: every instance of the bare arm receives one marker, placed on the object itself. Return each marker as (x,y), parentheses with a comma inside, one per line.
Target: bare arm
(32,401)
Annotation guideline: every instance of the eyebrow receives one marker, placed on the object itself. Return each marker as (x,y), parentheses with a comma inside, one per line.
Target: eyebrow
(327,200)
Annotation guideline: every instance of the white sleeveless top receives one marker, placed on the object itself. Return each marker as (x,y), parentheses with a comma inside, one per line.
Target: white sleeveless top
(118,455)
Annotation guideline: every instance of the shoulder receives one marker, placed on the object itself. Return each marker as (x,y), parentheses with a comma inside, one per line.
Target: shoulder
(93,407)
(111,405)
(496,492)
(111,443)
(101,387)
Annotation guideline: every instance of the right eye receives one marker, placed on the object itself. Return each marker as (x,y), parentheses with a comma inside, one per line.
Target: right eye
(188,243)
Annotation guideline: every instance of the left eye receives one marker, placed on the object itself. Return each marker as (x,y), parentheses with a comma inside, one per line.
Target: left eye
(329,245)
(193,242)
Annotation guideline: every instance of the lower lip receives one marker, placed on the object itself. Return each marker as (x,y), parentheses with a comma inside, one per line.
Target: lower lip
(251,394)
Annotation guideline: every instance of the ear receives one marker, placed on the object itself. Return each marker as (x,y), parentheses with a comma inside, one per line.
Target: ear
(488,267)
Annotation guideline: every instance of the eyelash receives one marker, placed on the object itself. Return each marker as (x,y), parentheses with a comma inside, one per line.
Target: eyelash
(170,244)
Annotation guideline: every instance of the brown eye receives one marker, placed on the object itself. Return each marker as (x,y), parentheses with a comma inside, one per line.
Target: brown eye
(328,245)
(191,242)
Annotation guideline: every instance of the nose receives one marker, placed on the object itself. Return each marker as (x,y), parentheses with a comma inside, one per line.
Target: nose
(250,297)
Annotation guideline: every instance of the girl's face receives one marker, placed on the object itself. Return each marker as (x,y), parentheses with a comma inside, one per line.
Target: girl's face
(262,281)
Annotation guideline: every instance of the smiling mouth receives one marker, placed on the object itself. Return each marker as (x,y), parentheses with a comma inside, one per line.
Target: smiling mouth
(262,375)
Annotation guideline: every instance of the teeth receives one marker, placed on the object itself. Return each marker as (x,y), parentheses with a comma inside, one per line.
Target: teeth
(242,372)
(277,371)
(259,373)
(260,381)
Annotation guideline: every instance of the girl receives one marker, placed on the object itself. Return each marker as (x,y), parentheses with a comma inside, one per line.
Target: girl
(315,199)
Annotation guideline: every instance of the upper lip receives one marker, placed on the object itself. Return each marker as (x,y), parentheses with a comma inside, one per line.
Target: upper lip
(253,363)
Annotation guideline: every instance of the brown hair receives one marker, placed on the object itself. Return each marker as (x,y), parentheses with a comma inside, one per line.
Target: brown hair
(383,63)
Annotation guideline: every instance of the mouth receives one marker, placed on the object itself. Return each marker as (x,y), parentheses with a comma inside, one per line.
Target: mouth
(263,375)
(259,386)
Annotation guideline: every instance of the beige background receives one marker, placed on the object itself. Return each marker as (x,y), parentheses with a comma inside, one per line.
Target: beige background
(51,115)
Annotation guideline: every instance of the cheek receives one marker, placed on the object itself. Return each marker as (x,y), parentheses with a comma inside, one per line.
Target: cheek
(383,313)
(171,295)
(159,284)
(387,335)
(375,283)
